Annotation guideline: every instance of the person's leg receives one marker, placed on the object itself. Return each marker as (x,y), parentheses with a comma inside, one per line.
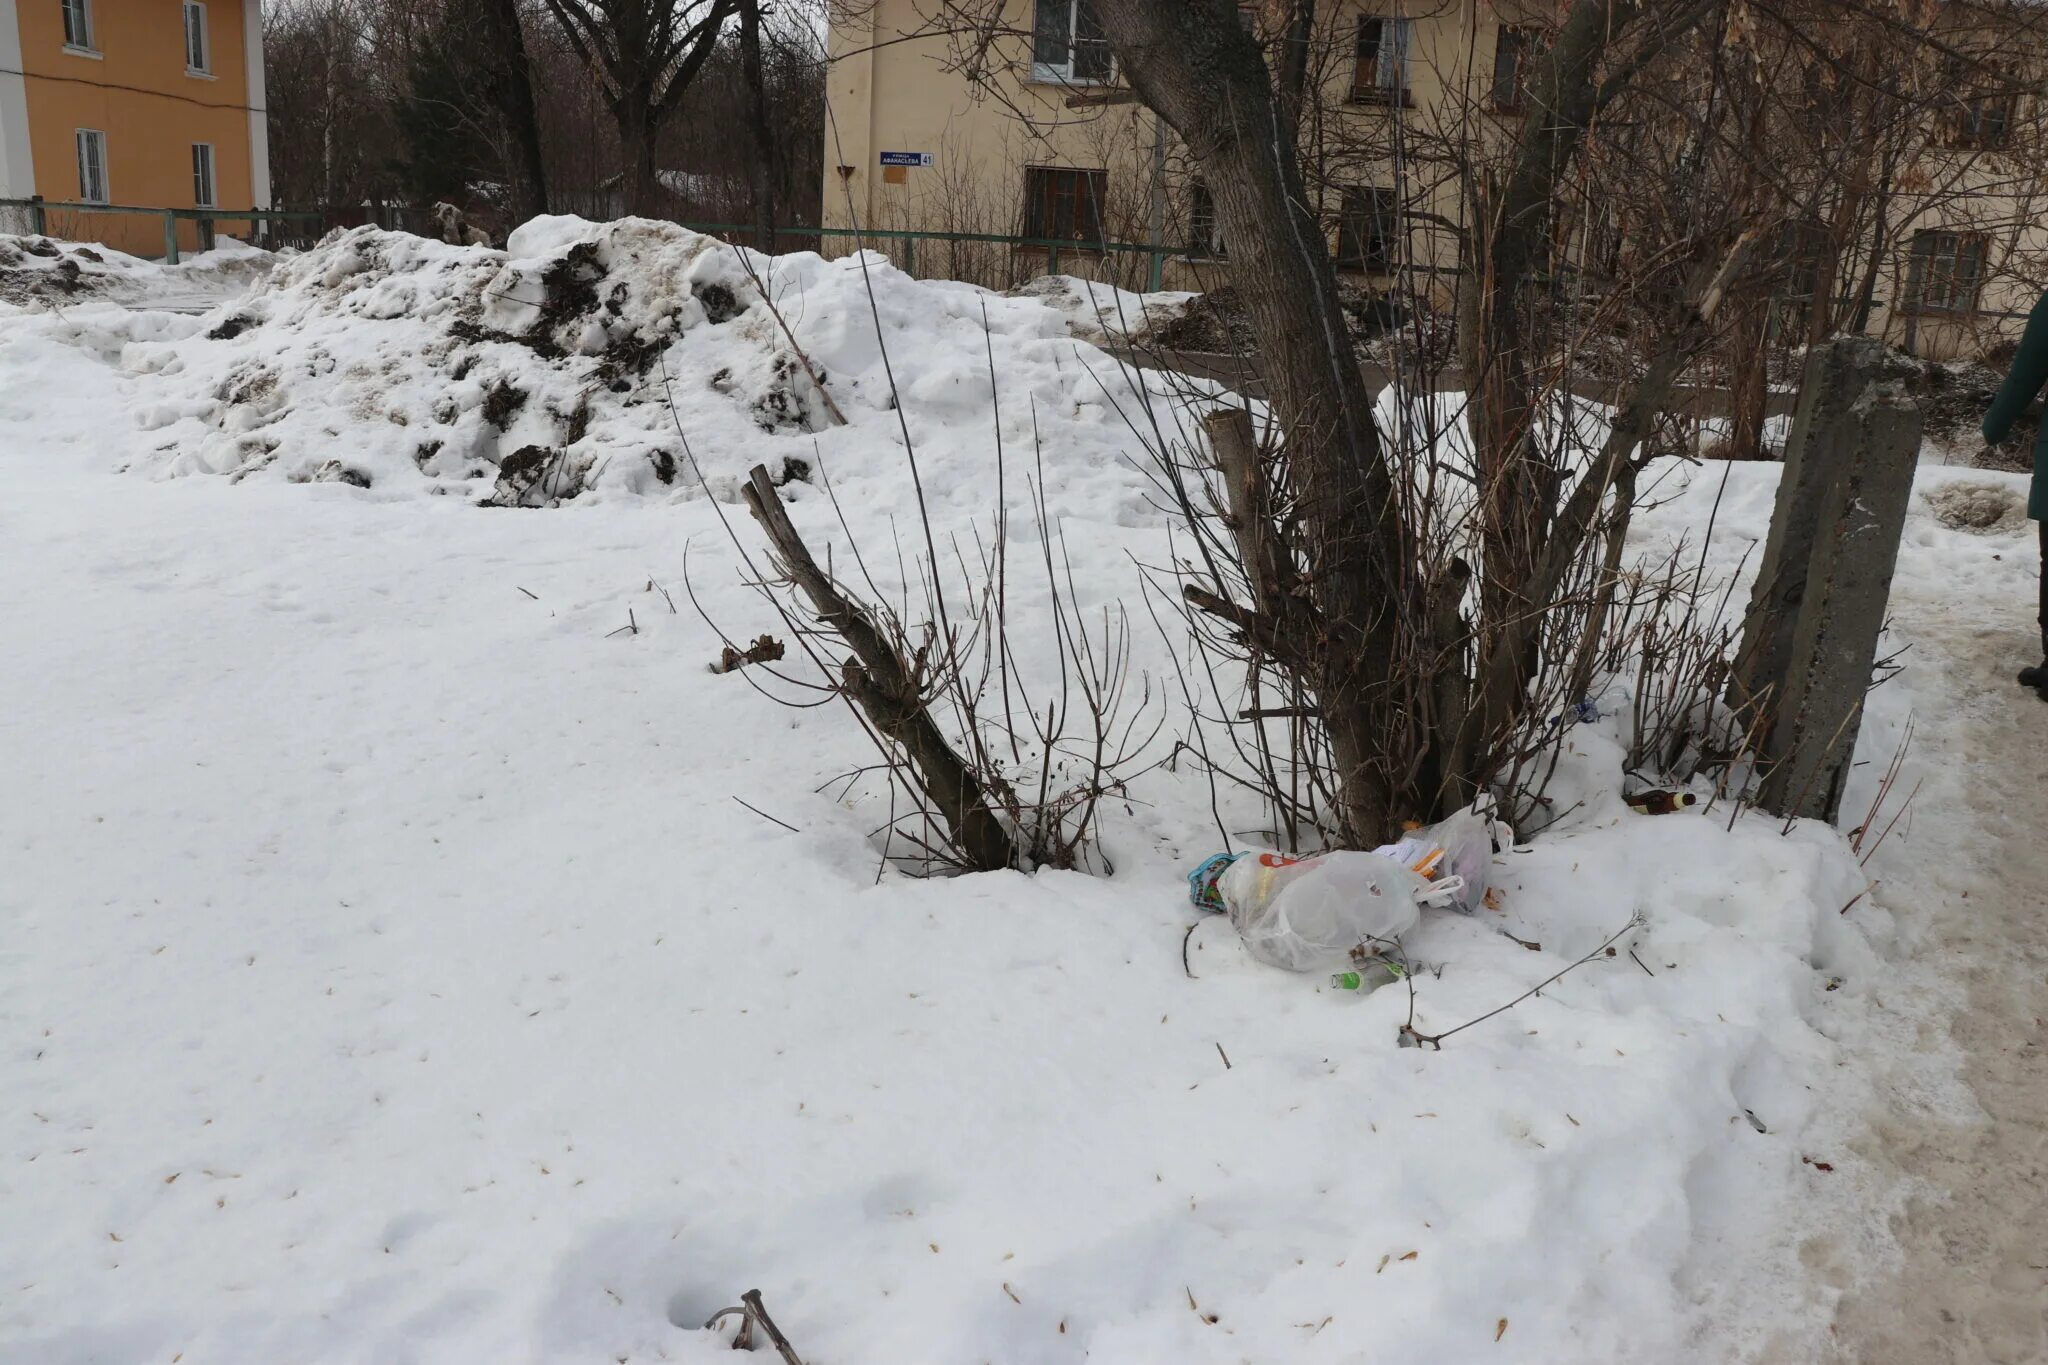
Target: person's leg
(2037,676)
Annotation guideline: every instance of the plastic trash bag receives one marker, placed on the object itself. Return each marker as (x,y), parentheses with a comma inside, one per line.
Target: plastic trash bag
(1310,913)
(1460,847)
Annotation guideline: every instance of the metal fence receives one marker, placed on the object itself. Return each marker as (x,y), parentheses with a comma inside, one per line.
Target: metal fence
(1155,255)
(38,209)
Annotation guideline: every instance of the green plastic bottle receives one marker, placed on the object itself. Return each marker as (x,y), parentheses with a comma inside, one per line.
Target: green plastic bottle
(1369,977)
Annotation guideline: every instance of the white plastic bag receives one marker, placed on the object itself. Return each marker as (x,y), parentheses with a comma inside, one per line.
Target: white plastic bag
(1460,847)
(1309,914)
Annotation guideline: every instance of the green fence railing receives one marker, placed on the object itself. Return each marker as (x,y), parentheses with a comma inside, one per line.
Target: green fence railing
(39,209)
(1157,254)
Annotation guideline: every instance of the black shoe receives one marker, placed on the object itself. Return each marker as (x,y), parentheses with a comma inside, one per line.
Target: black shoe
(2035,677)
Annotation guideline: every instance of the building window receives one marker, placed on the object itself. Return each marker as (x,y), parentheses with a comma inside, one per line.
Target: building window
(1365,231)
(198,47)
(1205,235)
(1067,43)
(92,166)
(1515,50)
(1063,204)
(1981,119)
(202,176)
(1945,272)
(78,24)
(1381,75)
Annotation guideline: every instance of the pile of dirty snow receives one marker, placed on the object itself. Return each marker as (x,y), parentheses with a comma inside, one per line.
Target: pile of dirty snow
(593,361)
(1104,314)
(45,272)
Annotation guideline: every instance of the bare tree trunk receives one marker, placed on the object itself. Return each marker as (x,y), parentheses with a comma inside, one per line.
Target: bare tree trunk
(1748,379)
(1502,670)
(761,171)
(1510,232)
(1295,41)
(1525,538)
(327,107)
(511,91)
(1881,204)
(635,115)
(1862,116)
(1194,65)
(1827,271)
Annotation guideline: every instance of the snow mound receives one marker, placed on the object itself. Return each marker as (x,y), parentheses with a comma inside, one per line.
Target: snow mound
(1104,314)
(40,271)
(597,360)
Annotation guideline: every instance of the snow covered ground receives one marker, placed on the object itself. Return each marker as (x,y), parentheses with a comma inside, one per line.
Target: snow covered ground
(390,971)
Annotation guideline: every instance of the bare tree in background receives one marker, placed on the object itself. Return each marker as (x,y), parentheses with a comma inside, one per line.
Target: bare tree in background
(510,81)
(761,169)
(330,132)
(645,54)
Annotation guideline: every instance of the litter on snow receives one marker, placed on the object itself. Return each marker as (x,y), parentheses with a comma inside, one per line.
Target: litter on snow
(1345,907)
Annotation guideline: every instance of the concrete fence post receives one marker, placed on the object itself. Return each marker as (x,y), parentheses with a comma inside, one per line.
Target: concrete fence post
(1810,639)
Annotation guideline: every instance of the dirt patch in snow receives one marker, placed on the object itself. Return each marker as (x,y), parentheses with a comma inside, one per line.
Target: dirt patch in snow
(1979,508)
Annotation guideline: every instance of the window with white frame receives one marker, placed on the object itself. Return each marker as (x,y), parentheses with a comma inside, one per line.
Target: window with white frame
(78,24)
(202,176)
(92,166)
(1379,72)
(1945,271)
(198,43)
(1516,50)
(1067,43)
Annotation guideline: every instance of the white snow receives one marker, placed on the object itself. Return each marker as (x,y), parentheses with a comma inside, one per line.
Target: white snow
(391,971)
(53,273)
(1104,314)
(411,366)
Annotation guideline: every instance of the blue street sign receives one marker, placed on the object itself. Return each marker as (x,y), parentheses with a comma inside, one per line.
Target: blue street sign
(906,158)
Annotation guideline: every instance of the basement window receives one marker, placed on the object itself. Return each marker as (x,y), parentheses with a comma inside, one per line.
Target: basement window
(92,166)
(202,176)
(1063,204)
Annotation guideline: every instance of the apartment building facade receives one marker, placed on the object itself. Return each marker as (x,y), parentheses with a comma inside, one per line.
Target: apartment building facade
(932,129)
(153,103)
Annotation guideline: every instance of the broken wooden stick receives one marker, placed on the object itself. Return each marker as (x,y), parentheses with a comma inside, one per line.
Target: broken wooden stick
(755,1314)
(765,649)
(886,687)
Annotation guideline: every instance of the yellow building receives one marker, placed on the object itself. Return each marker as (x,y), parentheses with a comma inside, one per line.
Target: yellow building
(1046,144)
(154,103)
(1050,146)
